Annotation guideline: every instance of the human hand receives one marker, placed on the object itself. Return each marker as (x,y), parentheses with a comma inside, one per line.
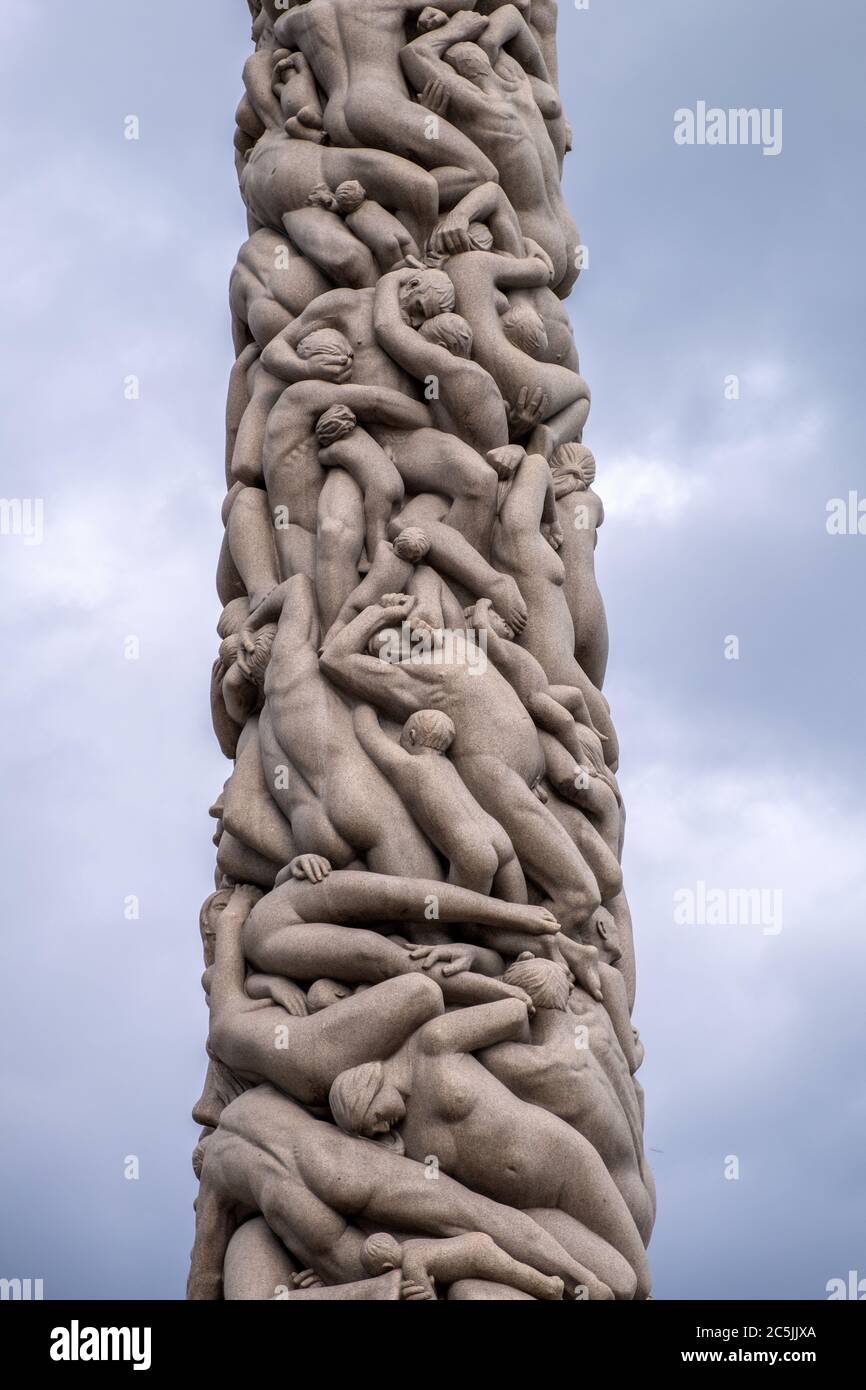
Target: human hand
(435,97)
(312,867)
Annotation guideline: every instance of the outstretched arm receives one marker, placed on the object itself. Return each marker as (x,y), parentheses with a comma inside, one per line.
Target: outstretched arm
(525,273)
(467,1030)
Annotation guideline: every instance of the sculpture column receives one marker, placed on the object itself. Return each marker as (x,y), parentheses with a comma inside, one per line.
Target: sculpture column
(419,957)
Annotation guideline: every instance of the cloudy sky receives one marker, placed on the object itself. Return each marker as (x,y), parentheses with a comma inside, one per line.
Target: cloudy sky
(706,263)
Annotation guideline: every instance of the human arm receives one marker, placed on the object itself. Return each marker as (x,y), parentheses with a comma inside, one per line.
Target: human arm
(423,58)
(346,662)
(469,1029)
(507,26)
(227,978)
(486,203)
(388,756)
(402,342)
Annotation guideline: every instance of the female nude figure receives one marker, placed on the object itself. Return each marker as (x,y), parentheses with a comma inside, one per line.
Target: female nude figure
(442,1101)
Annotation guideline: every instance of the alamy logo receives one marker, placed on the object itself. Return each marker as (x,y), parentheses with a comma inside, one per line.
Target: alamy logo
(737,126)
(21,1290)
(703,906)
(853,1287)
(77,1343)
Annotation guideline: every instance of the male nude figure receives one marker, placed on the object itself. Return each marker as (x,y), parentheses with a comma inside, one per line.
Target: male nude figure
(300,930)
(525,543)
(499,103)
(495,749)
(338,803)
(479,852)
(354,49)
(294,476)
(573,1067)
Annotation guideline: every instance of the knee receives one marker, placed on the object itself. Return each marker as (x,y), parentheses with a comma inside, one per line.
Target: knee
(581,897)
(335,535)
(423,995)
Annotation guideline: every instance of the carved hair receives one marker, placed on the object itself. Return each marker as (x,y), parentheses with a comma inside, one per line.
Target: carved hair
(349,196)
(233,617)
(480,236)
(323,993)
(573,462)
(431,728)
(545,982)
(325,342)
(412,544)
(436,287)
(335,424)
(524,327)
(381,1253)
(353,1093)
(449,331)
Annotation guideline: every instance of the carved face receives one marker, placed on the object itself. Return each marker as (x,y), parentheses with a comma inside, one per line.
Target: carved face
(428,293)
(386,1111)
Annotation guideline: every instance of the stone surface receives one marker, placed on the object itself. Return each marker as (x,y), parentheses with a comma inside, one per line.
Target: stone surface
(419,960)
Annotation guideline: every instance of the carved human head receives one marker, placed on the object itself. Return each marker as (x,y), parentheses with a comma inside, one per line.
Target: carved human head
(449,331)
(425,293)
(524,327)
(337,423)
(363,1102)
(545,981)
(381,1253)
(469,60)
(602,932)
(575,462)
(328,345)
(323,993)
(253,658)
(480,236)
(349,196)
(412,545)
(428,728)
(208,920)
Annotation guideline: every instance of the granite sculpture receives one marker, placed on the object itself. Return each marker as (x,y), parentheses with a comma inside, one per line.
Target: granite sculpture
(419,957)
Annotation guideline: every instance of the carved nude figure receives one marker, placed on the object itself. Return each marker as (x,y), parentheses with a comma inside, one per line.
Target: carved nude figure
(310,1181)
(261,1040)
(338,803)
(495,750)
(479,852)
(438,350)
(354,49)
(526,539)
(499,103)
(573,1068)
(426,1263)
(441,1100)
(509,342)
(581,513)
